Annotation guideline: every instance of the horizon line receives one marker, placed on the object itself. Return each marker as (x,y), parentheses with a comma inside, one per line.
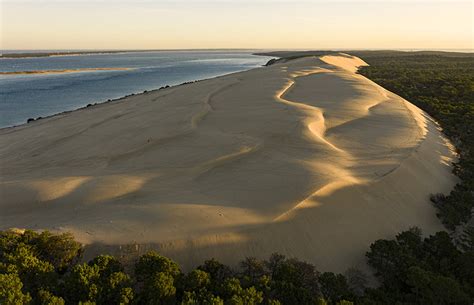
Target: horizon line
(266,49)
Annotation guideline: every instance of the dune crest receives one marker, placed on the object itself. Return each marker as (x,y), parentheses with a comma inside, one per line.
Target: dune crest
(305,157)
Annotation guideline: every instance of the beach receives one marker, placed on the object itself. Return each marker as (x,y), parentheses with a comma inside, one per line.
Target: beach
(304,157)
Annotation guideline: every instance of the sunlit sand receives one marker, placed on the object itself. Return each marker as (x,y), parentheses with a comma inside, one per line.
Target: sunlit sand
(305,157)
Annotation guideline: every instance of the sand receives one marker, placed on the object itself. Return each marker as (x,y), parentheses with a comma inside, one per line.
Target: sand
(306,158)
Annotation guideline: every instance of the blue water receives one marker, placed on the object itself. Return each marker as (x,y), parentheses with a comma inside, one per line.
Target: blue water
(34,95)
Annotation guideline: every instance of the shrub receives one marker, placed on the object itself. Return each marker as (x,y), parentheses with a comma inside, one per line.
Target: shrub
(159,289)
(82,284)
(151,263)
(47,298)
(11,290)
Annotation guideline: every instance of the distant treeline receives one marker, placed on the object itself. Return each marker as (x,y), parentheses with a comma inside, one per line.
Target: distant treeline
(282,56)
(42,268)
(363,53)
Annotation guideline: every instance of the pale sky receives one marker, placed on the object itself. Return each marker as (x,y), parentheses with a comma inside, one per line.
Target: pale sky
(255,24)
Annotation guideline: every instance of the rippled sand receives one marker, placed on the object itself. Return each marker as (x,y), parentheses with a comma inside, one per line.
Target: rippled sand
(305,158)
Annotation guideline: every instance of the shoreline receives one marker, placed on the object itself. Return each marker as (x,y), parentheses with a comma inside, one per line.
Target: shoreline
(104,52)
(278,57)
(42,118)
(90,105)
(163,170)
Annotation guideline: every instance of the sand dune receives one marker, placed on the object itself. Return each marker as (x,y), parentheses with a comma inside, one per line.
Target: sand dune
(305,158)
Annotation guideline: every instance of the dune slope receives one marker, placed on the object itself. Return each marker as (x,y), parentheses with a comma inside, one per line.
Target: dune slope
(306,158)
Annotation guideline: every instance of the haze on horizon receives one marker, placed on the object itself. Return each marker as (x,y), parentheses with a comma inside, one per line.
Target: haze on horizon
(256,24)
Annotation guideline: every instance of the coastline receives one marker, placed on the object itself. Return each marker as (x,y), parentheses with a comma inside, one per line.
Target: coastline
(17,55)
(163,175)
(41,118)
(40,54)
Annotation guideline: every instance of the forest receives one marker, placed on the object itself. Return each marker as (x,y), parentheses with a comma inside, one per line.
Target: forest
(43,268)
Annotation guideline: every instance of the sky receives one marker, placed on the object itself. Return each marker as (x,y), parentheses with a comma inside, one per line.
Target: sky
(252,24)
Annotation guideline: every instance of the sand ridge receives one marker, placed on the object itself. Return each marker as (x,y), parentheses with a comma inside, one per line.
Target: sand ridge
(305,157)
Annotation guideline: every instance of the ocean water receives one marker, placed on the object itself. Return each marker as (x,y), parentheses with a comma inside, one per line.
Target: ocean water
(24,96)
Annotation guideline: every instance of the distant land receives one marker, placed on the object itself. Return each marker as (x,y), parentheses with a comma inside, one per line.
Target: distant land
(362,53)
(286,53)
(26,53)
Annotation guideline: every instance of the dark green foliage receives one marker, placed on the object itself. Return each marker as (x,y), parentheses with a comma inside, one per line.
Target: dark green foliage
(230,287)
(234,293)
(299,273)
(102,281)
(158,275)
(434,289)
(29,275)
(466,240)
(197,280)
(107,265)
(60,250)
(47,298)
(117,289)
(11,290)
(116,286)
(293,281)
(334,287)
(252,270)
(356,280)
(193,298)
(218,272)
(158,289)
(152,263)
(198,289)
(414,270)
(82,283)
(34,273)
(247,296)
(392,258)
